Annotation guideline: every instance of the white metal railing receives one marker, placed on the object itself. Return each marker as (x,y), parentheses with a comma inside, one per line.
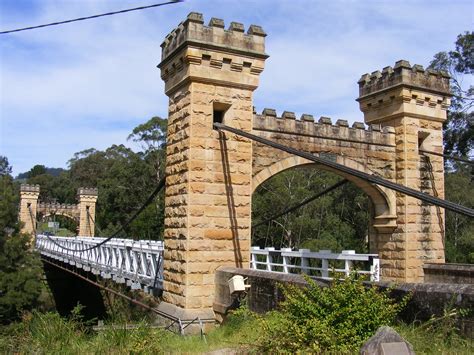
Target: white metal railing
(138,263)
(323,263)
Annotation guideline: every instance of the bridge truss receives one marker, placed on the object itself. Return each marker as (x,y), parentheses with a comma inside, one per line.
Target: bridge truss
(136,263)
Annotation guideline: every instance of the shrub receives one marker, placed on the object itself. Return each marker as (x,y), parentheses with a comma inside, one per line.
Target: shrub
(335,318)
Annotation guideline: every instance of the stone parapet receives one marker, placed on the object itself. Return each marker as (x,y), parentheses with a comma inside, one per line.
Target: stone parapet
(307,126)
(210,54)
(449,273)
(29,188)
(56,206)
(192,31)
(404,74)
(89,191)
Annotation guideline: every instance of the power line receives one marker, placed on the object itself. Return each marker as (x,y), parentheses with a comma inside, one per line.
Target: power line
(354,172)
(91,17)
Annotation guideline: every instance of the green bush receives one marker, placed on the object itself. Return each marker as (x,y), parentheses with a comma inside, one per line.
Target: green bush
(336,318)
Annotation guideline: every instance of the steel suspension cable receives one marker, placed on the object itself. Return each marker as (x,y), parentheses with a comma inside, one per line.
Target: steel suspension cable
(447,156)
(353,172)
(33,220)
(302,203)
(160,186)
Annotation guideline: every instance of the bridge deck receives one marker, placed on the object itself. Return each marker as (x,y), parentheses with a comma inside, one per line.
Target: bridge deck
(139,263)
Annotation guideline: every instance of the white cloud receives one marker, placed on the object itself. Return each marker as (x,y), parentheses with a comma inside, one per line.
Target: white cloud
(72,87)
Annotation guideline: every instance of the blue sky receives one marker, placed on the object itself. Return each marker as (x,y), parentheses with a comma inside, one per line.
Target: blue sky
(67,88)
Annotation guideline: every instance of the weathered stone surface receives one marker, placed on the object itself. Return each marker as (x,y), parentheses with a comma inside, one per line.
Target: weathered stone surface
(386,342)
(210,74)
(449,273)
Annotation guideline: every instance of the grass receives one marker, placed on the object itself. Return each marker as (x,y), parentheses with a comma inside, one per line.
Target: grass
(48,333)
(435,338)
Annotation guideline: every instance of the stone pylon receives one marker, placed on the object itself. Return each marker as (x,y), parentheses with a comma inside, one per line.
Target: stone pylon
(210,74)
(414,101)
(28,206)
(87,198)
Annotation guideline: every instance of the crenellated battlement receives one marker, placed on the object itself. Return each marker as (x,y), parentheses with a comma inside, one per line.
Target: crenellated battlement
(193,31)
(89,191)
(56,206)
(306,125)
(404,74)
(29,188)
(196,52)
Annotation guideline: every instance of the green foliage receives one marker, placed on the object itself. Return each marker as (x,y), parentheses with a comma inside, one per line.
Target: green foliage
(338,220)
(20,268)
(459,188)
(459,127)
(337,318)
(20,274)
(49,333)
(439,335)
(5,168)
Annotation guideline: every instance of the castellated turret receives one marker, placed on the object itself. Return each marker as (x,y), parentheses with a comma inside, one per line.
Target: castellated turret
(194,50)
(404,73)
(404,88)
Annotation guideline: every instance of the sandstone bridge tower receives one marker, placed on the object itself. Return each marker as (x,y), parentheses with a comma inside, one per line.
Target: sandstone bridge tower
(210,74)
(83,213)
(414,101)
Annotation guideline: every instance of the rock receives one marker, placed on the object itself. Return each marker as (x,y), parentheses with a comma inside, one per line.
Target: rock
(386,342)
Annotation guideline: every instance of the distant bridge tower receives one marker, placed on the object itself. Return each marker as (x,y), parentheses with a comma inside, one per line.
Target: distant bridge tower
(28,206)
(83,213)
(87,198)
(210,74)
(414,101)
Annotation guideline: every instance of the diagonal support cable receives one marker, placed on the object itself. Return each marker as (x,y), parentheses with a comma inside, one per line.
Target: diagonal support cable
(451,157)
(302,203)
(150,198)
(353,172)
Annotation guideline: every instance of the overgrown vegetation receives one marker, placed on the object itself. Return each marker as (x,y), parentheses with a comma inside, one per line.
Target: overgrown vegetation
(335,319)
(20,269)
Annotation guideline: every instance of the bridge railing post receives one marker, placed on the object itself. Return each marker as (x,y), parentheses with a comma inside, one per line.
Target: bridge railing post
(348,263)
(286,260)
(253,258)
(325,263)
(269,258)
(304,261)
(375,270)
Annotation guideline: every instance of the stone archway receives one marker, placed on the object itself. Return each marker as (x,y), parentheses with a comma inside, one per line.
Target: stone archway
(383,218)
(210,74)
(383,199)
(83,213)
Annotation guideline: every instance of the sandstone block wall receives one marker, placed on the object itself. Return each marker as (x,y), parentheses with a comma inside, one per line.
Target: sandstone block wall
(28,206)
(87,202)
(414,102)
(210,74)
